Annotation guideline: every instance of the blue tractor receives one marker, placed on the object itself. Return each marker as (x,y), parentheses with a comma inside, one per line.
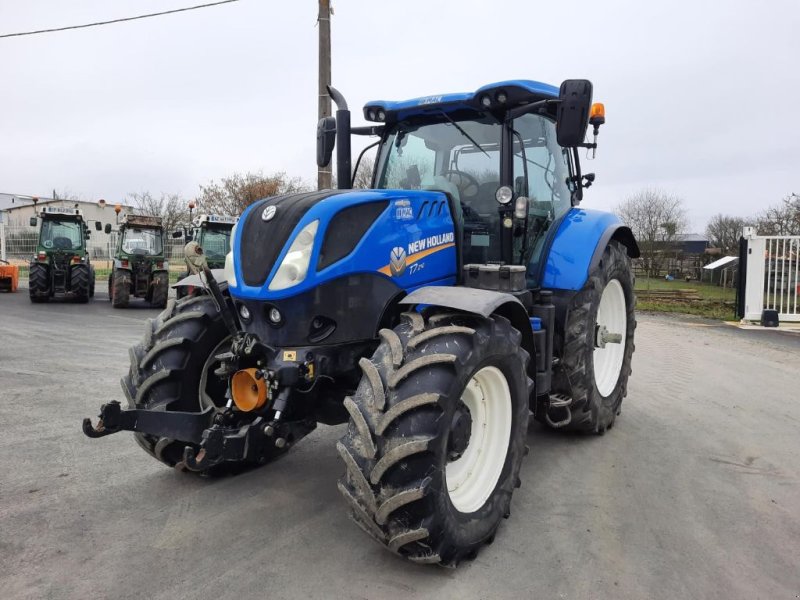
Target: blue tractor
(435,314)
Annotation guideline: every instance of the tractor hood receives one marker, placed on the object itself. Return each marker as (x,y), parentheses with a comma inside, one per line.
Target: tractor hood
(287,245)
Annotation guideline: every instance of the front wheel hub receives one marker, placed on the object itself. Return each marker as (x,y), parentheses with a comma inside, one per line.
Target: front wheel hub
(460,430)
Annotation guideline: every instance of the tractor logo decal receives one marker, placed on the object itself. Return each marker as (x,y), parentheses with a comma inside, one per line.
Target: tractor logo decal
(269,213)
(403,210)
(397,261)
(400,260)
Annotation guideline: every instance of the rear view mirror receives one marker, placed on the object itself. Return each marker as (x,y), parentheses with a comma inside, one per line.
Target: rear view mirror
(107,228)
(326,140)
(98,226)
(572,118)
(177,234)
(33,221)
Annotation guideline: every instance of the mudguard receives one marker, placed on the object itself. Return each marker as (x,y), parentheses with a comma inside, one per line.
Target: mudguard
(578,245)
(477,301)
(194,280)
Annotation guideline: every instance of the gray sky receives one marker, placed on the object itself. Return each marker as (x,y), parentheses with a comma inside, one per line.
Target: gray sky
(701,97)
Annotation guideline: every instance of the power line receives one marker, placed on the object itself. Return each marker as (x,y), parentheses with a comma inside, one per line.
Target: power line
(122,20)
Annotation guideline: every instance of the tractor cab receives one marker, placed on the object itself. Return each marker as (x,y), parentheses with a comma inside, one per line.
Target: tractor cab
(505,155)
(213,234)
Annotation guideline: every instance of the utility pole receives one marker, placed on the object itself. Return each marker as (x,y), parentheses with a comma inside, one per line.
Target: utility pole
(324,22)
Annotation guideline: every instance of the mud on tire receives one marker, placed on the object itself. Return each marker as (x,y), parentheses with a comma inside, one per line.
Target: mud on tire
(119,288)
(575,377)
(160,290)
(396,447)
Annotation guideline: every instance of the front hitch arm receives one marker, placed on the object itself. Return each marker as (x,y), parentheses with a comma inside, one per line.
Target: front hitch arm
(183,426)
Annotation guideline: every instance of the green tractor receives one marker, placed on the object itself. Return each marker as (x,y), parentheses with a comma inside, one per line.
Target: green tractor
(213,234)
(60,265)
(140,268)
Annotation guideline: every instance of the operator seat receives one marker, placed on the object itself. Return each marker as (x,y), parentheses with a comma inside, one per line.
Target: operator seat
(62,243)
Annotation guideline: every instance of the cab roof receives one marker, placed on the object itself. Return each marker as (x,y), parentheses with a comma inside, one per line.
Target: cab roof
(494,96)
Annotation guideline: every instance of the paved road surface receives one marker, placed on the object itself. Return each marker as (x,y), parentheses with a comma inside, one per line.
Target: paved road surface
(693,494)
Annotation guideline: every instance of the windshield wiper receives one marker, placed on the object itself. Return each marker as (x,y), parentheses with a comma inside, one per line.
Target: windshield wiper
(464,133)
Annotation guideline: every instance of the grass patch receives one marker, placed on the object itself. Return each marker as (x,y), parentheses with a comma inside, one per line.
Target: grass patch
(715,302)
(706,291)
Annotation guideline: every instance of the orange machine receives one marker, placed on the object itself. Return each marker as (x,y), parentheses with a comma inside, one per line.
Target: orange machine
(9,277)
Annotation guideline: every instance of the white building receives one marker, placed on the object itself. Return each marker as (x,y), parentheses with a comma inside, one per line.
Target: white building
(16,210)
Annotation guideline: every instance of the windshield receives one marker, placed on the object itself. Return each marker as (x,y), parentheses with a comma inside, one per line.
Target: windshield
(61,235)
(216,243)
(457,156)
(146,242)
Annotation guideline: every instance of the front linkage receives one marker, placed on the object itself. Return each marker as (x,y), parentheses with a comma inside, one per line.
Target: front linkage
(215,436)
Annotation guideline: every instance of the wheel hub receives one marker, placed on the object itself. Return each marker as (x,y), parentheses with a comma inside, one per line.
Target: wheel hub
(460,430)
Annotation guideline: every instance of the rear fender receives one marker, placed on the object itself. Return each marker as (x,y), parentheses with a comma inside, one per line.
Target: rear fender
(479,302)
(578,246)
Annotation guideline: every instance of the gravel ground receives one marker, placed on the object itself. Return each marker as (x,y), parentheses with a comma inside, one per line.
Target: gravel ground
(693,494)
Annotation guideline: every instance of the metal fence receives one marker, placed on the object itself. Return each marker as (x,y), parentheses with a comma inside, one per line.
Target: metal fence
(18,245)
(772,276)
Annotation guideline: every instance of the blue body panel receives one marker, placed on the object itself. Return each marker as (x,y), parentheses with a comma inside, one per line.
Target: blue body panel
(534,90)
(570,255)
(416,225)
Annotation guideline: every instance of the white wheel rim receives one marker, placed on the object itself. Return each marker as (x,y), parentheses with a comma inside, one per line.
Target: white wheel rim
(473,476)
(613,315)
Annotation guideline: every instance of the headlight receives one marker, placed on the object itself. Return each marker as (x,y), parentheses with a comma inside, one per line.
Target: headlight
(294,267)
(230,274)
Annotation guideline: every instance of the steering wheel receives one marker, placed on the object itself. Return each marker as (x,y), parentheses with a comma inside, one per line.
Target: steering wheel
(462,176)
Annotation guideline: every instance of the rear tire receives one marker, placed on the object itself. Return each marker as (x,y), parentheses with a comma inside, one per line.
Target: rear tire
(80,281)
(120,288)
(160,293)
(38,284)
(596,382)
(408,435)
(92,282)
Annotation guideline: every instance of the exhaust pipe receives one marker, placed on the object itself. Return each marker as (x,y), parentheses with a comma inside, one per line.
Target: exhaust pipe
(344,175)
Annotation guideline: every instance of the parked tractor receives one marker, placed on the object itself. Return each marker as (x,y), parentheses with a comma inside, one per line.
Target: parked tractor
(60,266)
(434,314)
(213,234)
(140,269)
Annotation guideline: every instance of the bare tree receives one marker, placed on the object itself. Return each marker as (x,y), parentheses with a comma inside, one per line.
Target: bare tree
(724,231)
(781,219)
(172,209)
(363,177)
(657,219)
(235,193)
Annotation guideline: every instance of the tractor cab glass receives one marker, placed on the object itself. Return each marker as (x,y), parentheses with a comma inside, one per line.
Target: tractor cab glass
(216,242)
(143,242)
(541,171)
(61,234)
(457,155)
(461,154)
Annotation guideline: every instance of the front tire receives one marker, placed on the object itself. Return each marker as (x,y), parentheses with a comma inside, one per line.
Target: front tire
(422,476)
(596,377)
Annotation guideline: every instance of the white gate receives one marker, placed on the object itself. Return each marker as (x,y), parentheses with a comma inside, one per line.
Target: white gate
(772,276)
